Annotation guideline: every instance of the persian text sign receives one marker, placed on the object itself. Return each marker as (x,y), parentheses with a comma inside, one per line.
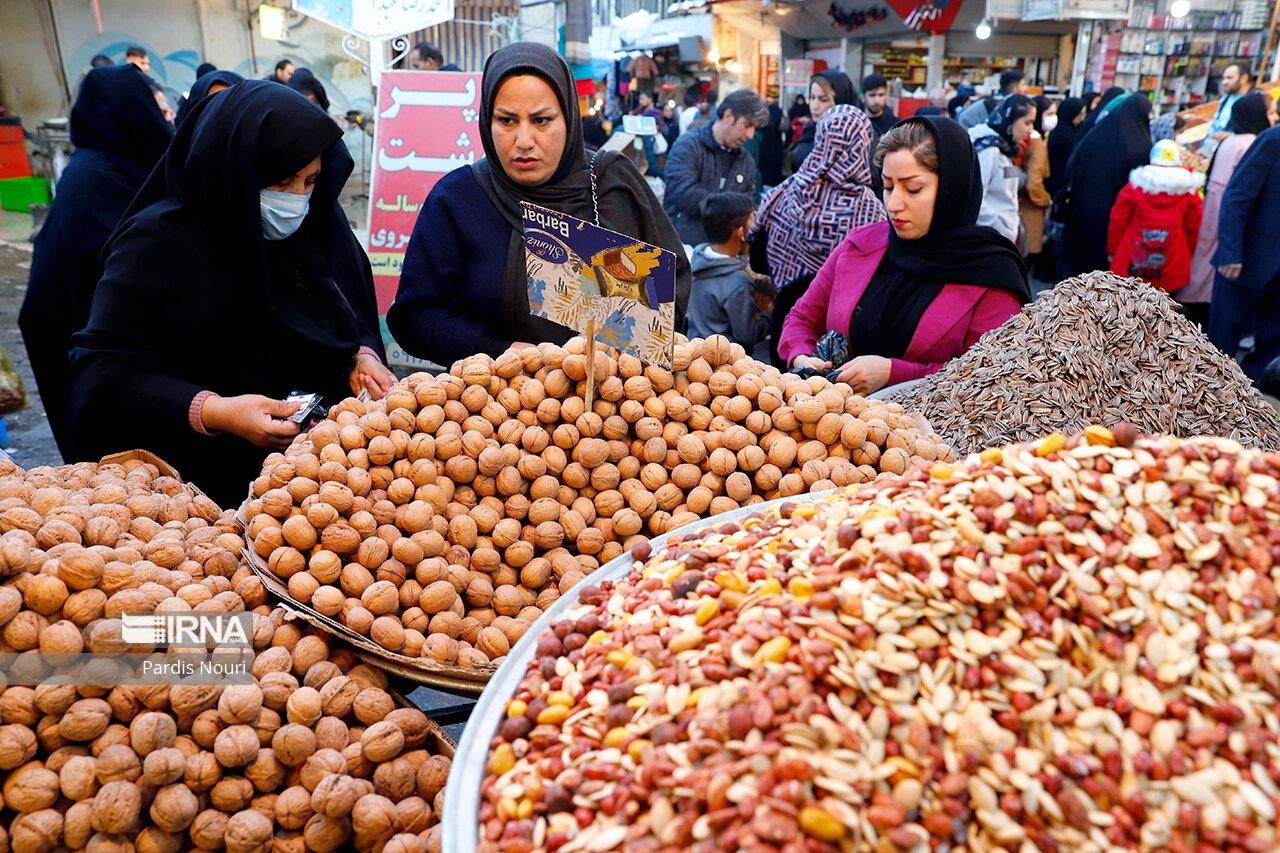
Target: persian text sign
(579,272)
(378,19)
(426,126)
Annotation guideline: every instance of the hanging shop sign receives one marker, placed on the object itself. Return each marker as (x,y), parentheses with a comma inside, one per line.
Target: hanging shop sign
(378,19)
(427,125)
(931,16)
(855,19)
(1041,10)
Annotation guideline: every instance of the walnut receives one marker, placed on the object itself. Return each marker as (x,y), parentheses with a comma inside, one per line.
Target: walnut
(174,808)
(373,817)
(78,778)
(240,703)
(321,764)
(31,788)
(405,843)
(203,771)
(151,731)
(372,705)
(118,763)
(85,720)
(413,723)
(293,807)
(337,698)
(152,839)
(266,771)
(37,831)
(77,825)
(395,779)
(209,829)
(117,807)
(17,746)
(413,815)
(249,831)
(331,733)
(335,795)
(276,688)
(382,741)
(323,833)
(231,794)
(432,776)
(304,706)
(236,746)
(294,743)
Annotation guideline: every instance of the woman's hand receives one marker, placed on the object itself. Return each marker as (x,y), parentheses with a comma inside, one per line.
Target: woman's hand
(256,419)
(866,374)
(371,375)
(810,361)
(1230,272)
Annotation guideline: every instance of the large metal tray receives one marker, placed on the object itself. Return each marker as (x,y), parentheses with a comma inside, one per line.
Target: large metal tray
(462,802)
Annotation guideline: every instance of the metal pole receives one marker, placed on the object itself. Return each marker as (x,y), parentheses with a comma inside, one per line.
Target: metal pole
(248,22)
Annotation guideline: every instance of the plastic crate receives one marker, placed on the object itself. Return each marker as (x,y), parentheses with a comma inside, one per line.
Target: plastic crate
(20,193)
(13,150)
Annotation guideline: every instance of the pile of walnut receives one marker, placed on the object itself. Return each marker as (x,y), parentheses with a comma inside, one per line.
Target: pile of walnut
(314,755)
(443,519)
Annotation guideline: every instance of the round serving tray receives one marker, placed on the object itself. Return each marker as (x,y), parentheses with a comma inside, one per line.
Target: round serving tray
(462,802)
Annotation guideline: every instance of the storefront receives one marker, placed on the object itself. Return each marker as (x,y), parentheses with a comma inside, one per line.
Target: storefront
(682,54)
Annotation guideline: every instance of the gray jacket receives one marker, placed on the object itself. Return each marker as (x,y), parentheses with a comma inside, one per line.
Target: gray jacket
(722,302)
(697,166)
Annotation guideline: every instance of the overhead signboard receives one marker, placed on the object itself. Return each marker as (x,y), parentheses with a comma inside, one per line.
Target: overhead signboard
(1095,10)
(378,19)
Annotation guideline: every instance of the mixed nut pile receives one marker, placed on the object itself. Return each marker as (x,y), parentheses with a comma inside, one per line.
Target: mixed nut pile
(1096,349)
(441,520)
(313,755)
(1070,645)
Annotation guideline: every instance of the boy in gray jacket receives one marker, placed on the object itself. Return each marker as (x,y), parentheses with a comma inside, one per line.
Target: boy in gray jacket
(728,298)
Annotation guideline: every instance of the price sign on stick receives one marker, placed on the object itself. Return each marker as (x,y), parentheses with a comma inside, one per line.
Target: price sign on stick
(615,289)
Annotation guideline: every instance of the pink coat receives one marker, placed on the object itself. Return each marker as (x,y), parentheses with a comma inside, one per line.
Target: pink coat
(949,326)
(1229,154)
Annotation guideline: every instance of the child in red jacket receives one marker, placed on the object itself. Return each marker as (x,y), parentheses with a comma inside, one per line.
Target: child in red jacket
(1156,220)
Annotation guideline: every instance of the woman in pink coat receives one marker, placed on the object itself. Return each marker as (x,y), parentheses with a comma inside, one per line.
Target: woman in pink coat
(918,291)
(1250,116)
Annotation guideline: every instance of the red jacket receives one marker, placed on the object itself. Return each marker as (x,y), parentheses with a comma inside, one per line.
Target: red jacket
(1154,225)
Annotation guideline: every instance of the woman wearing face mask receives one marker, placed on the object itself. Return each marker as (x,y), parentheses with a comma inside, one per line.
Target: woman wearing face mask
(222,293)
(464,285)
(119,133)
(999,143)
(920,290)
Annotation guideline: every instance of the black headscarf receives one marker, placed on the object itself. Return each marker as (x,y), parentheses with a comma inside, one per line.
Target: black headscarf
(1249,114)
(799,108)
(305,83)
(205,68)
(1042,105)
(626,203)
(116,113)
(956,104)
(1096,110)
(841,85)
(955,251)
(1097,171)
(119,134)
(1062,140)
(1001,120)
(193,297)
(200,91)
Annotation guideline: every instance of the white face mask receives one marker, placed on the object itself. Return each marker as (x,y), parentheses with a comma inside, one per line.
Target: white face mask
(282,213)
(1049,122)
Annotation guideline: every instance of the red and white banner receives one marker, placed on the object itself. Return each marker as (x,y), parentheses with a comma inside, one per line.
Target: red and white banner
(427,125)
(932,16)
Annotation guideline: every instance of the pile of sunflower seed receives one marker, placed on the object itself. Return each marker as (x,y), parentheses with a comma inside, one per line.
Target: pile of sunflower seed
(1096,349)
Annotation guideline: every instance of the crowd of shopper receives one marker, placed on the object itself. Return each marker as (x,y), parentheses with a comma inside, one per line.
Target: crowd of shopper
(850,243)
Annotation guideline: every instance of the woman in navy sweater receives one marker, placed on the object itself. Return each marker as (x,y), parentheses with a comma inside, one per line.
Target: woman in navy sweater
(463,286)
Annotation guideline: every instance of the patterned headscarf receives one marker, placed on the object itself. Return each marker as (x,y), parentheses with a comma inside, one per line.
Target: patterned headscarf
(1001,120)
(808,214)
(1163,127)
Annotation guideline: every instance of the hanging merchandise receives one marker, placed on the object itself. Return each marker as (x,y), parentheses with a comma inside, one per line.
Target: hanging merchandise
(852,19)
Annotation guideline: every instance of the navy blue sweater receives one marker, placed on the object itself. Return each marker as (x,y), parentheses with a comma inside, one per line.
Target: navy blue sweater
(449,303)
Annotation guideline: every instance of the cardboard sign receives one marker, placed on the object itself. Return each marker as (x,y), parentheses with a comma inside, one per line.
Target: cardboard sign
(427,125)
(590,278)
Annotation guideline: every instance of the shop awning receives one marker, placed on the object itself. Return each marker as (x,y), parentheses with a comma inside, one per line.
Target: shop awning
(667,32)
(596,69)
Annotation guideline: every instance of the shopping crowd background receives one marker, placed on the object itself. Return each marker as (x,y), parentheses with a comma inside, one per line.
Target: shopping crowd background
(196,269)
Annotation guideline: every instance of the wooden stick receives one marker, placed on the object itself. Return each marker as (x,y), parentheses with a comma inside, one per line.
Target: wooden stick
(591,362)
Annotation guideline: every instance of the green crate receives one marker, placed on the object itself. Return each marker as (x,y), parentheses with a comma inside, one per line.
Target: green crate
(20,193)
